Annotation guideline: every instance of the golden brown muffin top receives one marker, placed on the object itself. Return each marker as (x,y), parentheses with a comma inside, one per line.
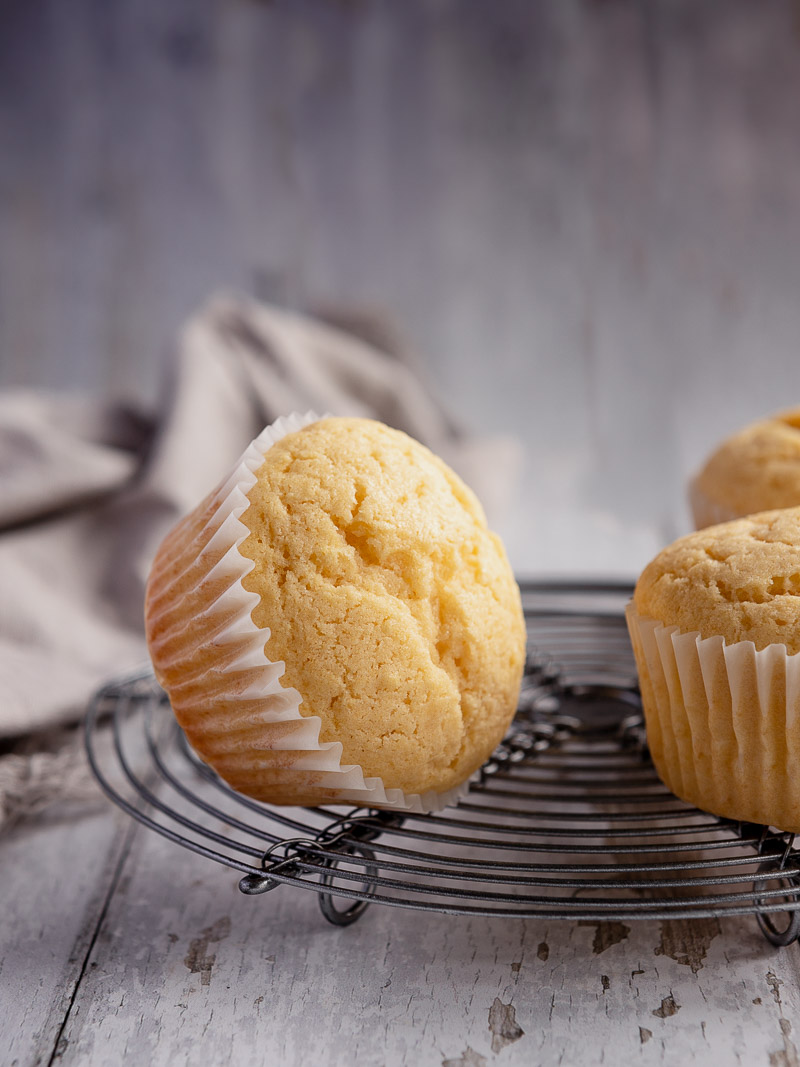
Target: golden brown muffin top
(392,605)
(758,468)
(740,580)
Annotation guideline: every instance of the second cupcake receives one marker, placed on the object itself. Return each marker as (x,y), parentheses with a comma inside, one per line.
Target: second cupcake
(755,470)
(715,626)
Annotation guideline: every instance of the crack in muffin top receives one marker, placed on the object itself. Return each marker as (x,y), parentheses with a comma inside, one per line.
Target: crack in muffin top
(390,602)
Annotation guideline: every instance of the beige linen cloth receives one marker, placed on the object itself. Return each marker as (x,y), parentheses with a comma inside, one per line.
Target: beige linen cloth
(88,489)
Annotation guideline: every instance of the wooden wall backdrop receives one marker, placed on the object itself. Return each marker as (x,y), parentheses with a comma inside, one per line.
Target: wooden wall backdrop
(584,215)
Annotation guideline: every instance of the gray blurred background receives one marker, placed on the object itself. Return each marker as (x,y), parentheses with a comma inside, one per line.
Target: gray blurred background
(583,216)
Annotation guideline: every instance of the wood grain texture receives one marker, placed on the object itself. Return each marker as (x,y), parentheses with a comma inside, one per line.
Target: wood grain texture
(54,885)
(585,216)
(185,970)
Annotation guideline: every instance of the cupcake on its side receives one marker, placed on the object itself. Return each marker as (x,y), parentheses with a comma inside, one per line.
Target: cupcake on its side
(336,623)
(715,627)
(757,469)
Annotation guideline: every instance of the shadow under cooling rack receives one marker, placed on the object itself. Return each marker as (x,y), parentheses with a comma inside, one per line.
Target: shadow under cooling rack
(567,820)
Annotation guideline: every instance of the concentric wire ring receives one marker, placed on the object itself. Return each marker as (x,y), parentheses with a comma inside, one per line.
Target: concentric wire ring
(567,820)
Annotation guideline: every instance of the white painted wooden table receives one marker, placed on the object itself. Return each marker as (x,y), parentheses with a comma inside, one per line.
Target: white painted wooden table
(118,946)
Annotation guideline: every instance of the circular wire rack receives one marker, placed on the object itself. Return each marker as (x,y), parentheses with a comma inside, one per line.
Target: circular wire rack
(567,820)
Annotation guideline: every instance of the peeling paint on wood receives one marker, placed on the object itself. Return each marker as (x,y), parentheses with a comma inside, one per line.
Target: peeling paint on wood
(469,1058)
(606,934)
(503,1025)
(668,1008)
(198,959)
(774,984)
(786,1056)
(398,989)
(687,941)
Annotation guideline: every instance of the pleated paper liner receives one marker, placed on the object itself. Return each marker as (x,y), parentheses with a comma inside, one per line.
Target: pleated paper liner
(723,721)
(225,692)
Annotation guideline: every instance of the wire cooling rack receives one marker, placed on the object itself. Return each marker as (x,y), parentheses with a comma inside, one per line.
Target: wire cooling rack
(567,820)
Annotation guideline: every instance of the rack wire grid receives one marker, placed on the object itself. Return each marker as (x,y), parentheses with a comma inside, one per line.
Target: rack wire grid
(567,820)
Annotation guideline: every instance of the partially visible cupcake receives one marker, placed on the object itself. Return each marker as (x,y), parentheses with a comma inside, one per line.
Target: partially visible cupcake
(336,623)
(715,627)
(757,469)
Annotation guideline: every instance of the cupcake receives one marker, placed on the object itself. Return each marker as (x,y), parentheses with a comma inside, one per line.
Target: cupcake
(336,623)
(757,469)
(715,627)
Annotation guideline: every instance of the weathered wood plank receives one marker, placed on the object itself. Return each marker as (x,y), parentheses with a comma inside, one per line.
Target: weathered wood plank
(185,970)
(55,881)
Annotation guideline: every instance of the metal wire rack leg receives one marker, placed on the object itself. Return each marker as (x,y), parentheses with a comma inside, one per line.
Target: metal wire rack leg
(766,920)
(346,916)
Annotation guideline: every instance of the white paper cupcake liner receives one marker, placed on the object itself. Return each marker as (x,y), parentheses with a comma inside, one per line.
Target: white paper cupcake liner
(723,721)
(227,693)
(708,512)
